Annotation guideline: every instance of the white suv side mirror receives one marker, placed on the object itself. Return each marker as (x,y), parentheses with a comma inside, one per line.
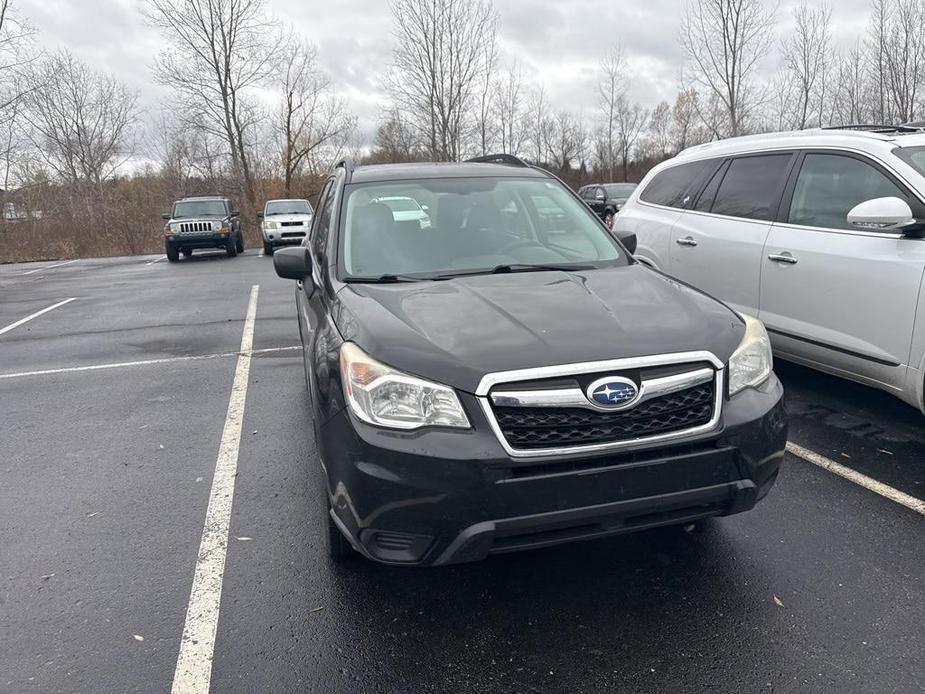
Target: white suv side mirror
(881,214)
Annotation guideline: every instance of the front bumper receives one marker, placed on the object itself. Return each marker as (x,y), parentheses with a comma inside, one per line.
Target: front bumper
(443,496)
(199,240)
(294,236)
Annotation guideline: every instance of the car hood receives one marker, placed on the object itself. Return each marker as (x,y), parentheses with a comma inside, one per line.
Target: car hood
(288,218)
(457,331)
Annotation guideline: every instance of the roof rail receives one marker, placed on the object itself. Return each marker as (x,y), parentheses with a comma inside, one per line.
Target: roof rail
(508,159)
(347,166)
(881,129)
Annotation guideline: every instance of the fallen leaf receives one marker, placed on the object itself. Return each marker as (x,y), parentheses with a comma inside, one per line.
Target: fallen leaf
(199,479)
(881,450)
(255,431)
(316,609)
(138,637)
(845,455)
(690,527)
(161,446)
(95,513)
(778,602)
(47,576)
(244,538)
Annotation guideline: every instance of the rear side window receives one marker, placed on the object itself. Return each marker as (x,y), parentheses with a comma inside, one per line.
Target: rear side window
(672,186)
(830,185)
(751,187)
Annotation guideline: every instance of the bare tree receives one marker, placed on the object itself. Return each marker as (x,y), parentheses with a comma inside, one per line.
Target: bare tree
(396,141)
(538,108)
(630,121)
(724,42)
(563,143)
(81,119)
(16,54)
(806,62)
(510,114)
(903,58)
(219,51)
(660,131)
(684,117)
(851,102)
(441,57)
(611,89)
(485,124)
(313,123)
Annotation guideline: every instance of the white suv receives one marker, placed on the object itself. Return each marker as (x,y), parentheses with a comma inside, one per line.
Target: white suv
(820,233)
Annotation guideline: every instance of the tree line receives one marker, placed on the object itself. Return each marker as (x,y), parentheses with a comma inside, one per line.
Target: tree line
(251,112)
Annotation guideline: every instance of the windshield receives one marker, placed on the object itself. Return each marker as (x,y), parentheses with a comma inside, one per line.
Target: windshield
(199,208)
(287,207)
(620,190)
(476,224)
(913,156)
(400,204)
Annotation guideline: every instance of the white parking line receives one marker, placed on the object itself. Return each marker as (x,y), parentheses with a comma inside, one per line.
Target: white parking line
(194,664)
(35,315)
(870,483)
(49,267)
(143,362)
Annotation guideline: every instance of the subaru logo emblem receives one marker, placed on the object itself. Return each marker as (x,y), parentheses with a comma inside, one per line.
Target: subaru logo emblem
(612,392)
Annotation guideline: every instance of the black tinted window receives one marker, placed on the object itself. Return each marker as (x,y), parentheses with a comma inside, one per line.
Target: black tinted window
(750,186)
(705,201)
(671,186)
(830,185)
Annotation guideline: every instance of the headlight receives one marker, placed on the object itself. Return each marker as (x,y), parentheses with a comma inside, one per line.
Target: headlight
(751,363)
(380,395)
(216,226)
(272,225)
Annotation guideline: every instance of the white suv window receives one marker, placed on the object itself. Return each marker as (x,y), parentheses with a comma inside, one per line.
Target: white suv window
(751,187)
(829,185)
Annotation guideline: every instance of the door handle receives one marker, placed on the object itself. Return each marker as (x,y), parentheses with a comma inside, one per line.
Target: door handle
(686,241)
(784,257)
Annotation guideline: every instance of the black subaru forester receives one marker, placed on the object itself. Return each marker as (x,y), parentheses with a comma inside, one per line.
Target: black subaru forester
(504,376)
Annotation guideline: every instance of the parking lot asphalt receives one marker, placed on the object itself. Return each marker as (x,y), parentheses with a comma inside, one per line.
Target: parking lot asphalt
(113,407)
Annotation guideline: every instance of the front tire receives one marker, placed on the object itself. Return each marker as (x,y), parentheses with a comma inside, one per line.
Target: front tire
(173,255)
(267,248)
(239,244)
(231,250)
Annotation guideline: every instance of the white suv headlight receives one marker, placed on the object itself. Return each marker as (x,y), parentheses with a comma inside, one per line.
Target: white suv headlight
(380,395)
(751,363)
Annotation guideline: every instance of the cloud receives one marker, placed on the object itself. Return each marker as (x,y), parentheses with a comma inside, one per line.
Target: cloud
(558,42)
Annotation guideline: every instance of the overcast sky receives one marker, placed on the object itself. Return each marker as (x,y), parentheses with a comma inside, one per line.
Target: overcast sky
(559,42)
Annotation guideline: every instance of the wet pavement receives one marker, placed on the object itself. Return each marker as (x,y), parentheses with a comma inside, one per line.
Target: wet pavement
(106,476)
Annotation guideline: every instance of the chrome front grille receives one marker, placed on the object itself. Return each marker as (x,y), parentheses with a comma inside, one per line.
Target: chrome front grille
(195,227)
(547,411)
(548,427)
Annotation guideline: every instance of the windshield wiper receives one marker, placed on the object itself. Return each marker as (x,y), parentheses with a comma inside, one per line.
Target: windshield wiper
(516,267)
(385,279)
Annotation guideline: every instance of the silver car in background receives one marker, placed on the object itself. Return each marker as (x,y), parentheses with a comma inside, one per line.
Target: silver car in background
(817,233)
(285,223)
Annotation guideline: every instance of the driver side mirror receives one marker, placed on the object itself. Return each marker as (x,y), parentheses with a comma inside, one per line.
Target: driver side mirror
(260,214)
(627,238)
(293,263)
(236,213)
(882,214)
(165,216)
